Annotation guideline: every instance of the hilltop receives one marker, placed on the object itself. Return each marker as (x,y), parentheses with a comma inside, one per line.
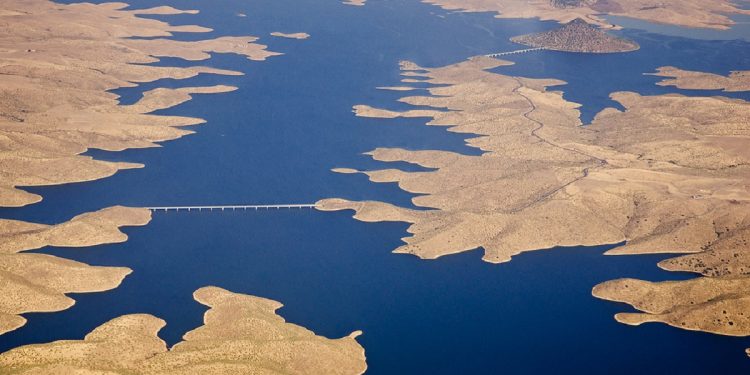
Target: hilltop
(572,3)
(577,36)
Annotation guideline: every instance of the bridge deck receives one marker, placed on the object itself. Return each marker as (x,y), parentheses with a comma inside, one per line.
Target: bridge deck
(243,207)
(516,52)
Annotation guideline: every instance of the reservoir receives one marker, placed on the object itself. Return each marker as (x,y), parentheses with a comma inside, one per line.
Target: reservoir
(275,140)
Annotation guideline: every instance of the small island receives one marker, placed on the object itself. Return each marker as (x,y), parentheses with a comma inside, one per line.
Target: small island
(577,36)
(572,3)
(358,3)
(290,35)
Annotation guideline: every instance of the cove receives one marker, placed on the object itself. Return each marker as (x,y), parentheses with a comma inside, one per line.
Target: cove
(274,141)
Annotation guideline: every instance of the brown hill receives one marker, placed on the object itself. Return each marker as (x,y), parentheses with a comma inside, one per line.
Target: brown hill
(572,3)
(577,36)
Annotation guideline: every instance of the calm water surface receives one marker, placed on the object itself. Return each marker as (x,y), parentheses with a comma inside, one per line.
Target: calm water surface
(275,139)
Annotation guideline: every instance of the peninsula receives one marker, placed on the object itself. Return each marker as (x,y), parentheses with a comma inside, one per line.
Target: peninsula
(668,174)
(241,334)
(684,79)
(58,64)
(688,13)
(55,82)
(39,282)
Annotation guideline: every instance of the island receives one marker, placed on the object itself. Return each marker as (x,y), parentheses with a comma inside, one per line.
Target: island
(53,110)
(40,282)
(577,36)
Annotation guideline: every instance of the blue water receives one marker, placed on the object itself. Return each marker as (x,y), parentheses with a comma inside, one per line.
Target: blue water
(740,30)
(275,139)
(592,78)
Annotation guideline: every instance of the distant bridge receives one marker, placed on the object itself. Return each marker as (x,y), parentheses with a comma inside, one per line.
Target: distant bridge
(516,52)
(244,207)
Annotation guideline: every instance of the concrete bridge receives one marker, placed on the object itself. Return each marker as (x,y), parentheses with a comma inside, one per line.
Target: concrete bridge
(516,52)
(245,207)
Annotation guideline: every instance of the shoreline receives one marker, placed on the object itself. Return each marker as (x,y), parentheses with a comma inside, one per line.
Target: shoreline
(60,110)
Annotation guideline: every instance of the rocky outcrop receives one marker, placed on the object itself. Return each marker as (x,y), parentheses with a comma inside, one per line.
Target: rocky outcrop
(577,36)
(572,3)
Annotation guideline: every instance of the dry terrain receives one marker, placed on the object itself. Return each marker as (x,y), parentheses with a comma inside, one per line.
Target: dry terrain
(241,334)
(689,13)
(57,64)
(39,282)
(577,36)
(355,2)
(290,35)
(669,174)
(688,80)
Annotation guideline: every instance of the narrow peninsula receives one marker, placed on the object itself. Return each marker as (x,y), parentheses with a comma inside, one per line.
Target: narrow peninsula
(736,81)
(40,282)
(59,65)
(687,13)
(668,174)
(290,35)
(241,334)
